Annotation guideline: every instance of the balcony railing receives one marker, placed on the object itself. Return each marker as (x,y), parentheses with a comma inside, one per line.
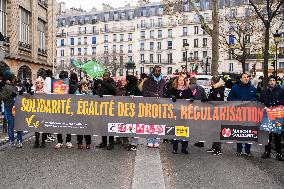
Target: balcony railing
(42,3)
(42,51)
(25,46)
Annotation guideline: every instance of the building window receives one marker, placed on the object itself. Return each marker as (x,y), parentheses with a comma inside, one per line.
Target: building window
(143,11)
(142,23)
(152,34)
(114,37)
(205,54)
(130,58)
(196,29)
(170,45)
(142,34)
(141,69)
(195,42)
(185,31)
(151,45)
(62,42)
(160,22)
(114,49)
(170,70)
(151,58)
(105,49)
(79,41)
(121,59)
(170,58)
(142,45)
(231,67)
(195,55)
(85,41)
(41,34)
(159,56)
(160,11)
(131,15)
(160,33)
(142,58)
(94,50)
(204,42)
(62,52)
(94,40)
(130,48)
(184,41)
(170,33)
(79,51)
(71,51)
(130,37)
(159,45)
(3,15)
(281,65)
(105,38)
(152,22)
(85,51)
(121,48)
(72,41)
(24,26)
(121,37)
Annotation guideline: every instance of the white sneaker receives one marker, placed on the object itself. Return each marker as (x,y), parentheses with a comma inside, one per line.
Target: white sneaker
(58,145)
(69,145)
(156,145)
(150,145)
(19,145)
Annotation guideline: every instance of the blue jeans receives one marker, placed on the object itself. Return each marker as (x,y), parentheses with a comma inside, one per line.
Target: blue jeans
(10,122)
(153,140)
(240,147)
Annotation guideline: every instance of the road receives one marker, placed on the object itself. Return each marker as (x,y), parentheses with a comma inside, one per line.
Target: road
(146,168)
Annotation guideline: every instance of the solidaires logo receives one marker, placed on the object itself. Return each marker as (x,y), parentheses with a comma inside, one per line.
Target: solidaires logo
(31,123)
(226,132)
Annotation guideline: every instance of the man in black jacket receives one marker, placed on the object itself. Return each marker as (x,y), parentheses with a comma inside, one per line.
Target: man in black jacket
(271,97)
(106,87)
(216,94)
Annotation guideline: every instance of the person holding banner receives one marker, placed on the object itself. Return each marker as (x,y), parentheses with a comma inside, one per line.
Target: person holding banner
(40,88)
(106,87)
(8,95)
(131,89)
(273,96)
(243,91)
(216,94)
(180,90)
(154,87)
(84,90)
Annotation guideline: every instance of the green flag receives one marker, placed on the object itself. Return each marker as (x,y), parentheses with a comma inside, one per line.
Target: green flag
(92,68)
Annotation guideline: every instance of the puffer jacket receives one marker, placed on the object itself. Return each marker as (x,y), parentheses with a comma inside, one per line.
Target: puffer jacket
(152,87)
(198,92)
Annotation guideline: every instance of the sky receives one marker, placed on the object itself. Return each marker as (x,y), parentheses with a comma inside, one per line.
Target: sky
(88,4)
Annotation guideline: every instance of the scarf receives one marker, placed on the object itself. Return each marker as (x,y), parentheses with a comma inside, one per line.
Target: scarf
(158,79)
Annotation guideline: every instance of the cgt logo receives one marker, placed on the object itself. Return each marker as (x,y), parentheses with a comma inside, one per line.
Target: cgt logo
(30,122)
(226,132)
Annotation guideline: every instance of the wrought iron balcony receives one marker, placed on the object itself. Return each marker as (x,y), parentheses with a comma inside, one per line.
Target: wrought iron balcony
(42,51)
(25,46)
(42,3)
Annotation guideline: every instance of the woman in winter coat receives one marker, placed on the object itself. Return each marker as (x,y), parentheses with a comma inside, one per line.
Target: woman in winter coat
(180,90)
(84,90)
(40,88)
(131,89)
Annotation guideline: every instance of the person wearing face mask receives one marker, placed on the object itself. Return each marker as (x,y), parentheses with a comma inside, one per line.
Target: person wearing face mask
(243,91)
(271,97)
(154,87)
(180,90)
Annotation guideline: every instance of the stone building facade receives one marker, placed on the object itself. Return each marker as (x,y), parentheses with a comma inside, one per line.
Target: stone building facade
(28,27)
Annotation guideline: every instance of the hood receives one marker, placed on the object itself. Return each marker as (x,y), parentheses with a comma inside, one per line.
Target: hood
(221,83)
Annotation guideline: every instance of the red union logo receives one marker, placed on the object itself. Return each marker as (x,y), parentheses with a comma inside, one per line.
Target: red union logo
(226,132)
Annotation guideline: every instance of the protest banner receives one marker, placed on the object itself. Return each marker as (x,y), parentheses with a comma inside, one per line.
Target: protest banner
(140,117)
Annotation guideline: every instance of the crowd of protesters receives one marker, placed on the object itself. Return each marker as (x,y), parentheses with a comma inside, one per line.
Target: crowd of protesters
(152,85)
